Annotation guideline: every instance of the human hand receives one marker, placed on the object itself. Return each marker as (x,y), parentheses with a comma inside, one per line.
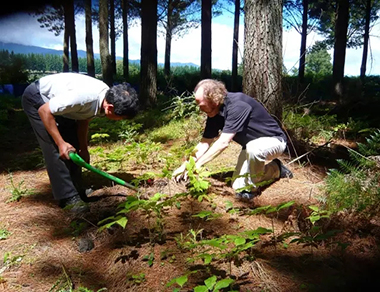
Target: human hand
(64,150)
(180,173)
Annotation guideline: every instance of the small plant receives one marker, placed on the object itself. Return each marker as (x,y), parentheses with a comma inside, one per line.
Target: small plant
(354,186)
(136,279)
(211,284)
(4,234)
(197,184)
(10,260)
(149,258)
(18,191)
(129,131)
(208,215)
(315,235)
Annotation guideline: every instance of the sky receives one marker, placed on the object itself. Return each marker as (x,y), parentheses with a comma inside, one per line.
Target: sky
(24,29)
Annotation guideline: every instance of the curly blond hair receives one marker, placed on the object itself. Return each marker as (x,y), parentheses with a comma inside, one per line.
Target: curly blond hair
(213,90)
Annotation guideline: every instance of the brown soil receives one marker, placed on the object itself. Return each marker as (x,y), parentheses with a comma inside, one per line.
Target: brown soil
(44,244)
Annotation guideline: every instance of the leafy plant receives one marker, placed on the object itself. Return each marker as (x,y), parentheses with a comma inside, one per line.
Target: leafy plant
(197,184)
(354,186)
(315,235)
(136,279)
(18,191)
(208,215)
(211,284)
(149,258)
(4,234)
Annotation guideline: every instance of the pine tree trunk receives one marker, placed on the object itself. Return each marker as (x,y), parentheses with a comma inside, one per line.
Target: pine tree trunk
(65,57)
(363,67)
(235,47)
(341,25)
(206,39)
(105,56)
(89,41)
(263,53)
(125,40)
(113,36)
(168,39)
(69,6)
(148,73)
(301,70)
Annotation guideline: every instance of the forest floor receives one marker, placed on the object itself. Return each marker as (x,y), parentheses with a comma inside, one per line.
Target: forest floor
(50,249)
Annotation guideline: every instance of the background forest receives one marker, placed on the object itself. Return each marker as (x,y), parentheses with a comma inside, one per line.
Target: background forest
(319,231)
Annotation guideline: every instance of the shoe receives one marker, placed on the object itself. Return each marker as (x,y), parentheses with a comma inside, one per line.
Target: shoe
(284,171)
(74,204)
(246,196)
(84,195)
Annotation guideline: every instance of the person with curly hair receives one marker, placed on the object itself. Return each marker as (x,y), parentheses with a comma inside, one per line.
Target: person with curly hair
(239,117)
(60,107)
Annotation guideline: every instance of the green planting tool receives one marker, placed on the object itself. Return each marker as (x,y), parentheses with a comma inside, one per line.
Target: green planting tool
(79,161)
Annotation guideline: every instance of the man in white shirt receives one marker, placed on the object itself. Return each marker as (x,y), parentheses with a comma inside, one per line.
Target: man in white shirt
(59,108)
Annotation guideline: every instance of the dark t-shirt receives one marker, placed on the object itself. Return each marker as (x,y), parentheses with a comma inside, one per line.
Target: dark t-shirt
(243,115)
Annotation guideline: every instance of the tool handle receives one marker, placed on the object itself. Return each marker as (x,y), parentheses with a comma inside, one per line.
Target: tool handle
(79,161)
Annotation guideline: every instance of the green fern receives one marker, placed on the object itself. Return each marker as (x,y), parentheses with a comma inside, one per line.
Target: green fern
(355,185)
(372,147)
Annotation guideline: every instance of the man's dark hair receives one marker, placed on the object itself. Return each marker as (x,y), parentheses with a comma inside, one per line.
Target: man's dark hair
(124,99)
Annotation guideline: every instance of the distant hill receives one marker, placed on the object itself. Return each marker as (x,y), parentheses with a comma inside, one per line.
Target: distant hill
(23,49)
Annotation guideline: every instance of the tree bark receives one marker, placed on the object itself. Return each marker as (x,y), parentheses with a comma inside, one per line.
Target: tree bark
(363,67)
(105,56)
(168,39)
(125,40)
(65,57)
(113,36)
(89,41)
(341,25)
(263,53)
(301,69)
(235,47)
(148,71)
(69,6)
(206,56)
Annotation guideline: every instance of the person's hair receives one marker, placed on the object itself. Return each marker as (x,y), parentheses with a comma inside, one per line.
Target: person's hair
(213,90)
(124,99)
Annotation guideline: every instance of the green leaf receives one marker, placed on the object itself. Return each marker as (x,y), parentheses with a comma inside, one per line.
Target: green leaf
(239,241)
(314,219)
(200,289)
(229,205)
(207,258)
(285,205)
(210,282)
(181,280)
(314,208)
(223,284)
(203,214)
(122,221)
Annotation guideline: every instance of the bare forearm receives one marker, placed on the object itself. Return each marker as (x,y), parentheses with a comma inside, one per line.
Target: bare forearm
(216,148)
(50,124)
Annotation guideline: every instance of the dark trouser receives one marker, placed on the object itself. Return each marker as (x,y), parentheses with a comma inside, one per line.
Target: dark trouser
(64,175)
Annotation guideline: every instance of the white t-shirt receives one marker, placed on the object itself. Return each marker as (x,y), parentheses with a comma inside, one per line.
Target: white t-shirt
(73,95)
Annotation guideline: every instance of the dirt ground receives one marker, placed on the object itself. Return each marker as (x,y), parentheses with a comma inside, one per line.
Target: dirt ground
(48,247)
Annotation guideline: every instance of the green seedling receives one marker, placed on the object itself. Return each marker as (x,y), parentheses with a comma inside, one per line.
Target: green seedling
(208,215)
(149,258)
(212,285)
(4,234)
(180,281)
(136,279)
(18,191)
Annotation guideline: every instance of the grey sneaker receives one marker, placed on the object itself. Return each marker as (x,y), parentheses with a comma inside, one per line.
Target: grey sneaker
(284,171)
(74,204)
(247,196)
